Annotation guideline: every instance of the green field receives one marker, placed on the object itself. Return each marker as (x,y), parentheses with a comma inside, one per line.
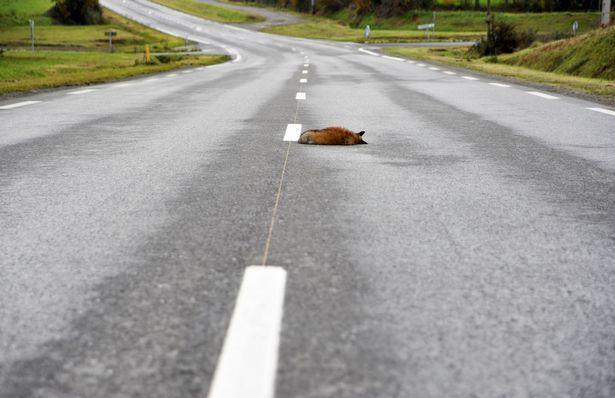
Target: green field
(70,55)
(207,11)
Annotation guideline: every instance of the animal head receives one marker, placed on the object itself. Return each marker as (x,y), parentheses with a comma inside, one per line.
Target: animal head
(360,138)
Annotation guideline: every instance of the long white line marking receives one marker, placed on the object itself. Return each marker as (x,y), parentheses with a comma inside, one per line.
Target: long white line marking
(79,92)
(448,72)
(304,72)
(19,104)
(249,358)
(542,95)
(433,68)
(300,96)
(393,58)
(499,85)
(368,52)
(469,78)
(293,131)
(302,80)
(602,110)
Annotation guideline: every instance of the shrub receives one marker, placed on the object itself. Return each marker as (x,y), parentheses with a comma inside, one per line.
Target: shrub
(504,39)
(77,12)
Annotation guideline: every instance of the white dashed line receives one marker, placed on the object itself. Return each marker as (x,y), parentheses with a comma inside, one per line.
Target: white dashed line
(421,65)
(433,68)
(306,65)
(300,96)
(123,85)
(602,110)
(79,92)
(410,62)
(19,104)
(172,75)
(153,79)
(448,72)
(469,78)
(302,80)
(499,85)
(542,95)
(293,131)
(369,52)
(304,72)
(393,58)
(249,358)
(187,71)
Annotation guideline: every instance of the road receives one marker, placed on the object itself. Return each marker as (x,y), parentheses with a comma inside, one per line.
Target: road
(467,251)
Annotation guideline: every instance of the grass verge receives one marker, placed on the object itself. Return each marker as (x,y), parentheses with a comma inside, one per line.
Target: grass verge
(458,57)
(326,29)
(208,11)
(22,70)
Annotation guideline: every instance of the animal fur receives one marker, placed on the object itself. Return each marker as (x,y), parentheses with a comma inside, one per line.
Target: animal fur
(332,136)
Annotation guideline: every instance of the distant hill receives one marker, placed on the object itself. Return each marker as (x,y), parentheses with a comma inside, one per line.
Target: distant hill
(589,55)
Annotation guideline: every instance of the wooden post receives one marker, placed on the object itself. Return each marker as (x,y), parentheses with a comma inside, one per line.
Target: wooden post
(147,54)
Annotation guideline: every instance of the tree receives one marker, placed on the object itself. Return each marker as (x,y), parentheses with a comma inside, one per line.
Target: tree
(77,12)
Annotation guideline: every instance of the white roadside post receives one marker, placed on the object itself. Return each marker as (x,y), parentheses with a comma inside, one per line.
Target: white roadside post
(366,33)
(575,27)
(111,33)
(605,16)
(32,33)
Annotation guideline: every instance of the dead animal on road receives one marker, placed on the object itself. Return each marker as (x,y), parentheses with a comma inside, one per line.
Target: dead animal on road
(332,136)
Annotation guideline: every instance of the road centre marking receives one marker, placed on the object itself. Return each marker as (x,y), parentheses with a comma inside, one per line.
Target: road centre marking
(171,75)
(306,65)
(300,96)
(187,71)
(249,358)
(368,52)
(393,58)
(153,79)
(421,65)
(542,95)
(469,78)
(123,85)
(434,68)
(602,110)
(499,85)
(410,61)
(293,131)
(302,80)
(448,72)
(19,104)
(79,92)
(304,72)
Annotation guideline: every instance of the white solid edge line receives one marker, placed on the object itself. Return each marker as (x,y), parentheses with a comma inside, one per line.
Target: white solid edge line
(499,84)
(300,96)
(19,104)
(541,95)
(469,78)
(88,90)
(302,80)
(448,72)
(602,110)
(293,131)
(249,359)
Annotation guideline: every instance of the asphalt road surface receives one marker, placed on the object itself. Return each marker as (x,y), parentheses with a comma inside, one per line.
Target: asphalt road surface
(467,251)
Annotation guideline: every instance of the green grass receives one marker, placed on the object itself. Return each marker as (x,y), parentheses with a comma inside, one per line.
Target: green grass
(208,11)
(322,28)
(22,70)
(17,12)
(72,55)
(131,36)
(589,55)
(463,21)
(459,57)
